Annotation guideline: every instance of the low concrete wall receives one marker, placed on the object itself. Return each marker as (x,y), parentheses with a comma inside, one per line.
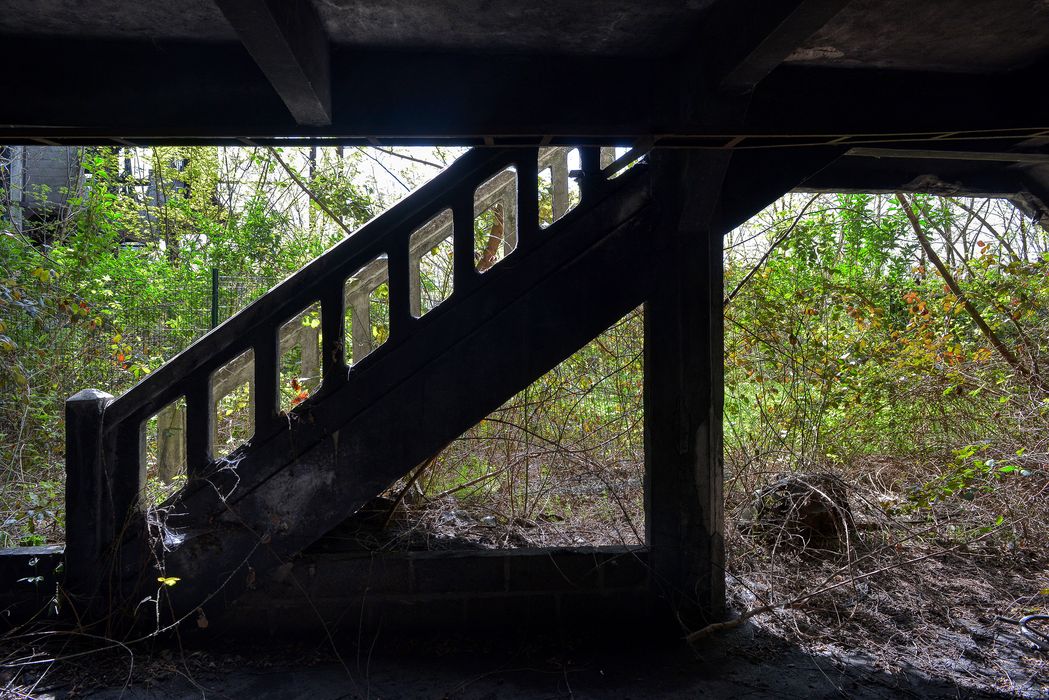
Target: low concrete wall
(28,584)
(360,594)
(436,592)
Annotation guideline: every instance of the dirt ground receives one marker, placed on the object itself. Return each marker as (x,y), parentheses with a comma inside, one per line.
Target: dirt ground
(743,663)
(890,648)
(909,608)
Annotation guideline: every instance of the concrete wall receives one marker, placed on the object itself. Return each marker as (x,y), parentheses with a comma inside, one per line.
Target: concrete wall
(28,583)
(49,175)
(353,594)
(39,180)
(364,593)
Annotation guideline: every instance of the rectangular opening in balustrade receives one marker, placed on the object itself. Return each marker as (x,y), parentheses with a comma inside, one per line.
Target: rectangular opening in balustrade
(366,298)
(495,219)
(300,357)
(431,259)
(561,464)
(164,447)
(558,191)
(233,401)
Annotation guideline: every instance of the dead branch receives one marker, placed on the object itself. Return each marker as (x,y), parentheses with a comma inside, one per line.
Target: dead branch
(797,600)
(970,308)
(309,193)
(775,244)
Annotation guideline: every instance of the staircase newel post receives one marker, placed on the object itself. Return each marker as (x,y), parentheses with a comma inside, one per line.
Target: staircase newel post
(89,522)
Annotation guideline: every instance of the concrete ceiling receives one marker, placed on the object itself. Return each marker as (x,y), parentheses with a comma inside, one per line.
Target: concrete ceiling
(950,90)
(115,19)
(600,27)
(696,73)
(604,27)
(949,35)
(970,36)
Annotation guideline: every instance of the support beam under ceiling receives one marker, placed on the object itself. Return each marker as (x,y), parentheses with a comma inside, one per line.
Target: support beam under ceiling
(744,40)
(941,154)
(215,93)
(288,42)
(808,17)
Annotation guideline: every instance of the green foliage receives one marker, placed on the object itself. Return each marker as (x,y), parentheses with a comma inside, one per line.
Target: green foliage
(967,476)
(844,344)
(105,290)
(848,344)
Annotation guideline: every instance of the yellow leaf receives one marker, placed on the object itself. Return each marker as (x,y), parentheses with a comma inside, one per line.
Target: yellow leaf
(1044,591)
(168,580)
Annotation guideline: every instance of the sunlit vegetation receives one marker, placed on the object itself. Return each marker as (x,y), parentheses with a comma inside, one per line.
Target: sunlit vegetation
(846,345)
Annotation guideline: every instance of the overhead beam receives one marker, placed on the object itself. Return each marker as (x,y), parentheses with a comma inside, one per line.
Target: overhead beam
(741,41)
(215,93)
(938,154)
(773,47)
(288,42)
(934,176)
(865,103)
(1035,194)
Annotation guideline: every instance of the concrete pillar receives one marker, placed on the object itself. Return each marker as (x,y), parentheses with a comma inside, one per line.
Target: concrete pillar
(171,442)
(415,294)
(360,325)
(559,199)
(309,342)
(509,202)
(16,186)
(683,391)
(89,518)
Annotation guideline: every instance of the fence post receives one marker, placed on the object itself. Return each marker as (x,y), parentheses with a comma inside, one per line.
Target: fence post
(214,297)
(87,534)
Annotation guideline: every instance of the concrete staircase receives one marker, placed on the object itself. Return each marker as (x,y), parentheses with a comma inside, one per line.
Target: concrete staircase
(442,368)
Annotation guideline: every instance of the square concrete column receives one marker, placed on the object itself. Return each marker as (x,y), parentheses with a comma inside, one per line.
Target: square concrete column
(89,519)
(684,392)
